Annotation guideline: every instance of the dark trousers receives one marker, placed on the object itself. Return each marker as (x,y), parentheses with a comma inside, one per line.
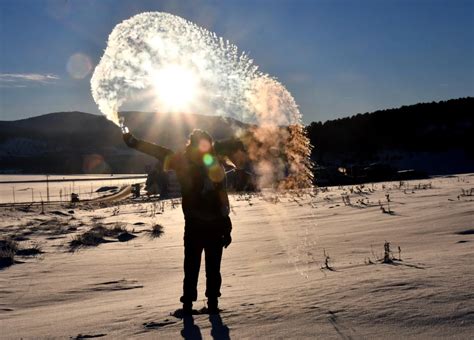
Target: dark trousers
(196,240)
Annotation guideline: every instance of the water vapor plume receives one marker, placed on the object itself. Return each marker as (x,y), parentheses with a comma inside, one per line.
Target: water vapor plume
(172,65)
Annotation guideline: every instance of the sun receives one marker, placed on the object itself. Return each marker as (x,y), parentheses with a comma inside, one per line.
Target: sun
(176,88)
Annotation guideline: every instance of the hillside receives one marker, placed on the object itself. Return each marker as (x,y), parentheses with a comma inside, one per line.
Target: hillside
(65,142)
(431,137)
(434,138)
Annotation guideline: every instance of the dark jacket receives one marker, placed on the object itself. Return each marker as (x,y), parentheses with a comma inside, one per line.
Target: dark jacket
(203,188)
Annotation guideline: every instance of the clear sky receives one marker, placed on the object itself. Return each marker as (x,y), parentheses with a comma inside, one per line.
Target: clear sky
(336,57)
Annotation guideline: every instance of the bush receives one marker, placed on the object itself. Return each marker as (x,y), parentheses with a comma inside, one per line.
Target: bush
(156,231)
(8,249)
(33,250)
(96,235)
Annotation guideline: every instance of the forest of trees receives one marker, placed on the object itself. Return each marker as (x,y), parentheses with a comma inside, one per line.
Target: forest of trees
(428,127)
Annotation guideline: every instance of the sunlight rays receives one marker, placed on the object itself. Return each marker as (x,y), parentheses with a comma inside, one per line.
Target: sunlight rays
(175,87)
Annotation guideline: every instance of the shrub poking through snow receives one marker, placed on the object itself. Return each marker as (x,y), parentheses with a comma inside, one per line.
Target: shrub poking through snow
(96,235)
(156,231)
(423,186)
(8,249)
(346,199)
(90,238)
(326,261)
(387,255)
(33,250)
(116,230)
(467,192)
(157,208)
(382,208)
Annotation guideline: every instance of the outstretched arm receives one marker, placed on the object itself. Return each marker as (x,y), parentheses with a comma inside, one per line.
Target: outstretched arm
(230,151)
(159,152)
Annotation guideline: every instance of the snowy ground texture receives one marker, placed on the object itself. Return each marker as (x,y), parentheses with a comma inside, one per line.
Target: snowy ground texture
(275,284)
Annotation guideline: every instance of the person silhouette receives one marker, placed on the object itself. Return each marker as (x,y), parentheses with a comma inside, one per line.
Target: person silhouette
(201,174)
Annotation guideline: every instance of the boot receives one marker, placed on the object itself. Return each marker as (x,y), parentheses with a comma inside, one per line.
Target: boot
(213,306)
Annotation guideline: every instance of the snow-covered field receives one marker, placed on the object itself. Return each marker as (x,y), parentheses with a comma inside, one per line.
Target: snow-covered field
(275,284)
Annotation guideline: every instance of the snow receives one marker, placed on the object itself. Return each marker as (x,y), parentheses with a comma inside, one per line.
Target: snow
(273,282)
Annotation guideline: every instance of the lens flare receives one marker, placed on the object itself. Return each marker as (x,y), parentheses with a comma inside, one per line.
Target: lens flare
(216,173)
(79,66)
(208,159)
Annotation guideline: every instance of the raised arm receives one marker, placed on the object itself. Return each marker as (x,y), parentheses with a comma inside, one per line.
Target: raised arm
(230,149)
(151,149)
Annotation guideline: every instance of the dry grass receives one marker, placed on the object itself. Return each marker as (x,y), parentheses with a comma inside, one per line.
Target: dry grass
(90,238)
(156,231)
(97,235)
(34,249)
(8,249)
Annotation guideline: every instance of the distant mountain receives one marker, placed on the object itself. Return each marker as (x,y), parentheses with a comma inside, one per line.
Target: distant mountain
(437,138)
(78,142)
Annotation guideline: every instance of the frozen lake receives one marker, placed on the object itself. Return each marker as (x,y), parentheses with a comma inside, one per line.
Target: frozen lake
(28,188)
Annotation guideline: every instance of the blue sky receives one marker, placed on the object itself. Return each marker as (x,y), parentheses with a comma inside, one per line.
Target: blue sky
(336,57)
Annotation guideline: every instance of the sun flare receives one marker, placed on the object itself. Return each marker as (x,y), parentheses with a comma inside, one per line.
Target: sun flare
(175,87)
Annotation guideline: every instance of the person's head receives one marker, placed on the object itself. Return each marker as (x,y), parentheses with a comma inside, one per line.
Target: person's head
(200,140)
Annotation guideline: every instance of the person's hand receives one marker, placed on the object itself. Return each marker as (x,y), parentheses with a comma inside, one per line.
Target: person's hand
(226,240)
(128,138)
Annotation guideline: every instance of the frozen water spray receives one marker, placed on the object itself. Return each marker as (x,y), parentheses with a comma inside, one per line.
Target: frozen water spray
(173,65)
